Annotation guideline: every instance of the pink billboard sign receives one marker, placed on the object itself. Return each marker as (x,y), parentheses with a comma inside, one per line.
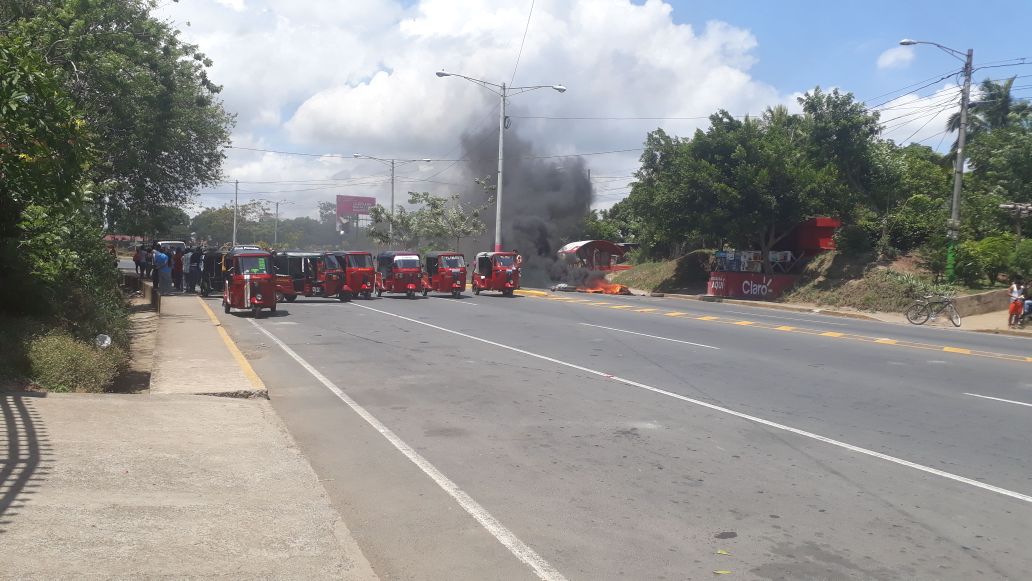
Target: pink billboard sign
(354,206)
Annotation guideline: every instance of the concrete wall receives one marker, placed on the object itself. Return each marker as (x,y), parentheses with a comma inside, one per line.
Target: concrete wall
(146,287)
(987,302)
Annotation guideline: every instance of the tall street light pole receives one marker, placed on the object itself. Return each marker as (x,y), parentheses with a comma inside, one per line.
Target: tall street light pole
(953,226)
(275,228)
(391,162)
(236,194)
(504,92)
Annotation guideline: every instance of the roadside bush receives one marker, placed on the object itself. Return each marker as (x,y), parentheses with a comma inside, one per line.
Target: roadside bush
(853,240)
(984,259)
(1021,259)
(59,362)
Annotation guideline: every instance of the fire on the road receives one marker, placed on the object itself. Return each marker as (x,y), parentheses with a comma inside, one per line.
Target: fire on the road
(597,286)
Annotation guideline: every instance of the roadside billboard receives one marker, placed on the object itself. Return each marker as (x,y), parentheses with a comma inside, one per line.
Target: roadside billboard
(349,208)
(354,206)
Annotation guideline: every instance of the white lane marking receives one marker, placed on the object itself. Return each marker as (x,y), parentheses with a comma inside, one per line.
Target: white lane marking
(650,336)
(521,551)
(456,301)
(797,431)
(1000,399)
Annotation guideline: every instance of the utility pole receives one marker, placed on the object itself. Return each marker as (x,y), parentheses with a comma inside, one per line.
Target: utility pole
(390,225)
(502,91)
(236,194)
(501,175)
(275,228)
(953,228)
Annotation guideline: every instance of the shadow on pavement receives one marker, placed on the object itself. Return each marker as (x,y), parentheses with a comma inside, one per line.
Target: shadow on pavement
(25,446)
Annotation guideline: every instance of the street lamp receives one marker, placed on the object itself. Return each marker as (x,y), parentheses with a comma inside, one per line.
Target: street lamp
(504,92)
(953,226)
(390,225)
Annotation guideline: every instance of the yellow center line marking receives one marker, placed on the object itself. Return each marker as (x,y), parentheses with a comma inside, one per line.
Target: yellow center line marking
(233,350)
(804,331)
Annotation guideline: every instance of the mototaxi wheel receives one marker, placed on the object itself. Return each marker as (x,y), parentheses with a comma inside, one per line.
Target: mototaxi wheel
(225,306)
(256,311)
(425,291)
(291,298)
(344,296)
(456,294)
(476,291)
(367,295)
(272,309)
(379,293)
(411,294)
(507,292)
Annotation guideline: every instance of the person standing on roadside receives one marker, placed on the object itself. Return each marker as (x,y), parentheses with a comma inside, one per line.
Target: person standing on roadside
(162,265)
(196,257)
(186,269)
(155,271)
(139,261)
(1016,293)
(177,269)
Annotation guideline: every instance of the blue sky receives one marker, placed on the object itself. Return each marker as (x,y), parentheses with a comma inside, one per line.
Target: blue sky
(803,44)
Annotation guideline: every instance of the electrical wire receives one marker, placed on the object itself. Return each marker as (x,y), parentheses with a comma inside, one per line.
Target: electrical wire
(520,53)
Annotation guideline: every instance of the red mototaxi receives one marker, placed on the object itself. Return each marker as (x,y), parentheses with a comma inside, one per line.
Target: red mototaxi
(250,283)
(360,278)
(446,272)
(309,274)
(400,272)
(496,271)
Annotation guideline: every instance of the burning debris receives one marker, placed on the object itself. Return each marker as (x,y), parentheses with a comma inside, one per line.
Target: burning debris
(593,284)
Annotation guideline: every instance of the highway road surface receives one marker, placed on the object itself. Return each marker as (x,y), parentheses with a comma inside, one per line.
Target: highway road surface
(594,437)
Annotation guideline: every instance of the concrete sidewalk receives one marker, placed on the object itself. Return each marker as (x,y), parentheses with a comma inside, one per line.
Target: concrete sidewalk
(194,354)
(165,484)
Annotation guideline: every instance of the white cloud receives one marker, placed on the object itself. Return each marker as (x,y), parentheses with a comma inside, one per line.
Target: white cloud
(346,77)
(896,58)
(237,5)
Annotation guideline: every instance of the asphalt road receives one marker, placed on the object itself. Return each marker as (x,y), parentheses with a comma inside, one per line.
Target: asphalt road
(646,438)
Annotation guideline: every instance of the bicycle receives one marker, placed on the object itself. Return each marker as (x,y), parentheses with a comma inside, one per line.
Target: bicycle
(930,307)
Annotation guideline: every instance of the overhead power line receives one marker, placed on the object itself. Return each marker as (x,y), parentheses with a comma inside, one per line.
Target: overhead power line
(520,53)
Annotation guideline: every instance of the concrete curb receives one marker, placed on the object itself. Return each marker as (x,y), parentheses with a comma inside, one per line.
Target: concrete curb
(1011,332)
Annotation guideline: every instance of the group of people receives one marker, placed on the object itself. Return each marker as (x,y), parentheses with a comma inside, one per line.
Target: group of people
(1020,303)
(172,270)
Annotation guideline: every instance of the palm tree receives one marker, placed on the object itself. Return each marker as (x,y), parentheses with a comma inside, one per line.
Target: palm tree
(995,108)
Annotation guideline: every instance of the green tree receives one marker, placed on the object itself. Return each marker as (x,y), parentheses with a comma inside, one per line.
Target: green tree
(1021,259)
(437,220)
(994,108)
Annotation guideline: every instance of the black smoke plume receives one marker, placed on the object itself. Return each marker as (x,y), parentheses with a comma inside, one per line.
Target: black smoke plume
(544,201)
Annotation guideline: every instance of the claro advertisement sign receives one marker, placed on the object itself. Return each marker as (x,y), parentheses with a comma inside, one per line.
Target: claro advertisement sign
(748,285)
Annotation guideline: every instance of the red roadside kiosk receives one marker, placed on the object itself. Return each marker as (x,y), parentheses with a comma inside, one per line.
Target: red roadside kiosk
(739,273)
